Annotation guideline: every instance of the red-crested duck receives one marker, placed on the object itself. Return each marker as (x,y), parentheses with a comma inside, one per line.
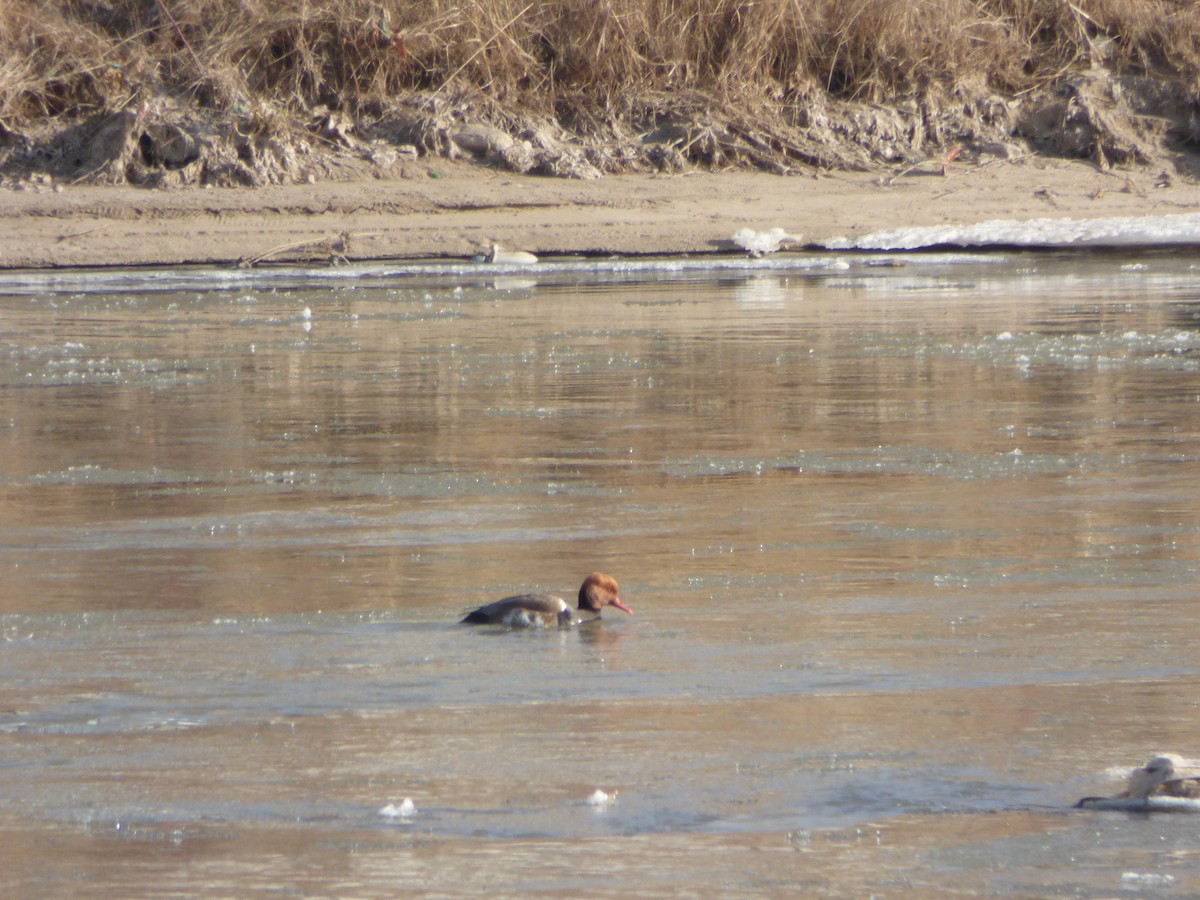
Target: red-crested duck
(544,610)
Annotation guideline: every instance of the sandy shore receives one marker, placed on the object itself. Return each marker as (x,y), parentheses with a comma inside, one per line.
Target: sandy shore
(455,210)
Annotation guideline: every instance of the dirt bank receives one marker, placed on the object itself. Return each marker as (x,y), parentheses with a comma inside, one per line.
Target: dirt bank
(160,132)
(456,209)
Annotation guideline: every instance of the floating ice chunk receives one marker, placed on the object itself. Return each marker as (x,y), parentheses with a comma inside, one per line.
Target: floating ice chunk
(405,809)
(600,799)
(1147,880)
(756,243)
(1183,228)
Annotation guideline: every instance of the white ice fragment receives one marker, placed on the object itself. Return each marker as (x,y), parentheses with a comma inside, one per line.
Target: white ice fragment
(1004,336)
(1183,228)
(756,243)
(1148,880)
(306,315)
(405,809)
(599,798)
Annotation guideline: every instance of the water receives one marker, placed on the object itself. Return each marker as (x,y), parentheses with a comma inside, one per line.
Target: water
(913,553)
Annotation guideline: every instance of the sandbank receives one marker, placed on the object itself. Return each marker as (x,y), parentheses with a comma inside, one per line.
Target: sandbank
(455,209)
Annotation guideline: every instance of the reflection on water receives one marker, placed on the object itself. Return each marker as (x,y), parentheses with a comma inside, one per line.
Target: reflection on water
(913,551)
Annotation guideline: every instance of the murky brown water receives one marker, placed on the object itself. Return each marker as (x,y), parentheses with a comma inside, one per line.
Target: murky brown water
(913,553)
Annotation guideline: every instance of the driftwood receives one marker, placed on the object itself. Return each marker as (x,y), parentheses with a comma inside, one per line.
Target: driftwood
(332,248)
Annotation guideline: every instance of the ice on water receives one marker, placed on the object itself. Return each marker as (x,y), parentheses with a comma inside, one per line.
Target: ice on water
(1127,231)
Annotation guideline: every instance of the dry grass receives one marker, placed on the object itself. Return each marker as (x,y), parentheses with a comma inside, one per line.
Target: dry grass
(74,57)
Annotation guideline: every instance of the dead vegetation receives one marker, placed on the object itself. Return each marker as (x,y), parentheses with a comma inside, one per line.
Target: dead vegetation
(248,91)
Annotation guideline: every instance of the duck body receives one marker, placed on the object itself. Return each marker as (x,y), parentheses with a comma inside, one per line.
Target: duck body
(524,611)
(550,610)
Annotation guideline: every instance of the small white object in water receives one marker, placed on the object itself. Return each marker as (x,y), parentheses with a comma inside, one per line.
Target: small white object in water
(510,257)
(600,799)
(306,318)
(756,243)
(405,809)
(1152,879)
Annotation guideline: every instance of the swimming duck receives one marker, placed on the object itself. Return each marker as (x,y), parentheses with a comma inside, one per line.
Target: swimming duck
(1165,775)
(546,610)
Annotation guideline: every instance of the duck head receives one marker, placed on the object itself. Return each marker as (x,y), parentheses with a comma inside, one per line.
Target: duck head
(598,591)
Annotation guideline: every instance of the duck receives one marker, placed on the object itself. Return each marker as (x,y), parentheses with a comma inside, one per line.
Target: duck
(550,610)
(1165,775)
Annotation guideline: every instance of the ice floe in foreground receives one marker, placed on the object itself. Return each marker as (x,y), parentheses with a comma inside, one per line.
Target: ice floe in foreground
(1128,231)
